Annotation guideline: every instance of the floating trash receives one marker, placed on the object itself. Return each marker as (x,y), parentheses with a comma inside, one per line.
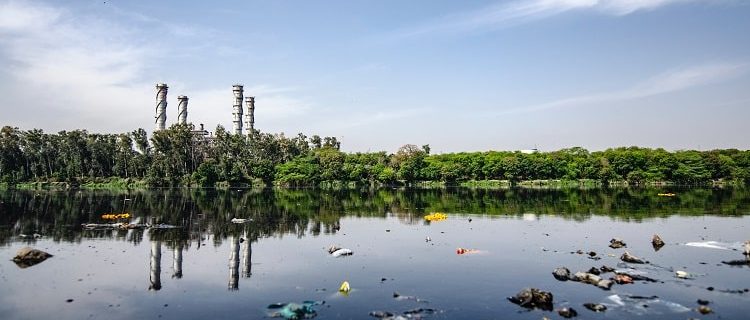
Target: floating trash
(639,305)
(240,220)
(295,311)
(115,216)
(466,251)
(657,242)
(562,274)
(712,245)
(596,307)
(627,257)
(682,274)
(567,312)
(345,288)
(27,257)
(616,243)
(533,298)
(437,216)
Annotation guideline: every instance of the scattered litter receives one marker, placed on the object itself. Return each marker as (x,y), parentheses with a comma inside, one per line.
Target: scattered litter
(437,216)
(419,311)
(295,311)
(595,271)
(596,307)
(705,309)
(27,257)
(627,257)
(640,305)
(335,251)
(737,263)
(400,297)
(562,274)
(746,248)
(712,245)
(657,242)
(115,216)
(682,274)
(634,276)
(616,243)
(703,302)
(240,220)
(533,298)
(466,251)
(623,279)
(381,314)
(592,279)
(427,239)
(345,288)
(606,269)
(567,312)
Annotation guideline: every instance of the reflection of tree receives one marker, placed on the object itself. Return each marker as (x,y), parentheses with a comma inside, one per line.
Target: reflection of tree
(234,264)
(155,269)
(205,213)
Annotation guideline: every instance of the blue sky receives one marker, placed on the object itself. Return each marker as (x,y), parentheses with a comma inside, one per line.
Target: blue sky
(458,75)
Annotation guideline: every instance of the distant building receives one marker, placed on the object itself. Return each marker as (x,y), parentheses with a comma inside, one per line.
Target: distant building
(530,151)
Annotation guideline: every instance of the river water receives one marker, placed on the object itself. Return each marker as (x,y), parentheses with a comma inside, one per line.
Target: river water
(210,268)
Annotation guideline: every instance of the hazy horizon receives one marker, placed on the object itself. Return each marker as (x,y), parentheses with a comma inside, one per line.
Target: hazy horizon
(478,76)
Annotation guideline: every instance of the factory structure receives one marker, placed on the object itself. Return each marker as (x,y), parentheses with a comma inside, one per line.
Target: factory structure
(238,112)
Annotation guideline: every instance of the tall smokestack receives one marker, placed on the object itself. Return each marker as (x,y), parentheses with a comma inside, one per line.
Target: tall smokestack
(182,102)
(237,109)
(161,105)
(250,116)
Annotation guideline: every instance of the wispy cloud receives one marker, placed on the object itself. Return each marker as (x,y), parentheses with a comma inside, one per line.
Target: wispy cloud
(667,82)
(504,14)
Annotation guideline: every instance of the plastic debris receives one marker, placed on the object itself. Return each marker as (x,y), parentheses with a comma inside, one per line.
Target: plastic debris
(27,257)
(240,220)
(682,274)
(596,307)
(710,245)
(381,314)
(401,297)
(533,298)
(623,279)
(338,251)
(567,312)
(616,243)
(746,248)
(562,274)
(606,269)
(595,271)
(592,279)
(437,216)
(705,309)
(466,251)
(345,288)
(427,239)
(737,263)
(657,242)
(640,305)
(627,257)
(295,311)
(115,216)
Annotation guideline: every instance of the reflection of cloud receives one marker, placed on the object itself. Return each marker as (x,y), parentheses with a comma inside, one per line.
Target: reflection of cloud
(505,13)
(663,83)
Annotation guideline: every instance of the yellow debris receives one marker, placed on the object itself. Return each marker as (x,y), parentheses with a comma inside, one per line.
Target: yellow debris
(115,216)
(666,194)
(437,216)
(344,288)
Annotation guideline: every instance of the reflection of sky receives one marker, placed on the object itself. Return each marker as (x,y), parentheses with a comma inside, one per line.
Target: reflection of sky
(109,279)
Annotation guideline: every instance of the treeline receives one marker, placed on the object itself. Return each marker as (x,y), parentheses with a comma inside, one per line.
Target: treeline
(180,156)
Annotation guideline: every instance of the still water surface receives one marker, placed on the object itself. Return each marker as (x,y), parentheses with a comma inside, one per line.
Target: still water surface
(210,268)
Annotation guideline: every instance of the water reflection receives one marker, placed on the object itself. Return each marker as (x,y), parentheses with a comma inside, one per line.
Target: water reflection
(200,213)
(155,274)
(234,264)
(177,261)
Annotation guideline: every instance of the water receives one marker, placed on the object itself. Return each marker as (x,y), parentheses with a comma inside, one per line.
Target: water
(212,269)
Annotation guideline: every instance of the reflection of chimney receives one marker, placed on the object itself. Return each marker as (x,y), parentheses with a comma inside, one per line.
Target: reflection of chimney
(177,262)
(155,277)
(237,109)
(182,102)
(247,253)
(161,106)
(234,264)
(250,116)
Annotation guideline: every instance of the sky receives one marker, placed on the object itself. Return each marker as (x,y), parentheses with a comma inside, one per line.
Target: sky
(457,75)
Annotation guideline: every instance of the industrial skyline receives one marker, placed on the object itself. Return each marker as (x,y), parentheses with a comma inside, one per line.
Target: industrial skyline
(485,75)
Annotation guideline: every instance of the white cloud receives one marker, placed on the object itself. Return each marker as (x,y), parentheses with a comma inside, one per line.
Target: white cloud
(505,14)
(667,82)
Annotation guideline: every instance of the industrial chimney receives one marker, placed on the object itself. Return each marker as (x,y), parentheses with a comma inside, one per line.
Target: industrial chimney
(237,109)
(250,116)
(161,105)
(182,102)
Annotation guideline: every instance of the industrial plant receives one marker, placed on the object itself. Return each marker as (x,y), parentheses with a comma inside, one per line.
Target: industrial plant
(182,111)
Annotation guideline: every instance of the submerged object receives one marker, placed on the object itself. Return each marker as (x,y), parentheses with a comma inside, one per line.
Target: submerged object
(437,216)
(616,243)
(295,311)
(27,257)
(627,257)
(657,242)
(240,220)
(345,288)
(533,298)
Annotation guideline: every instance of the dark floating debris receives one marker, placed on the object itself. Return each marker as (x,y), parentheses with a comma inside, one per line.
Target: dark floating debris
(657,242)
(381,314)
(606,269)
(596,307)
(595,271)
(627,257)
(567,312)
(533,298)
(27,257)
(737,263)
(616,243)
(562,274)
(703,302)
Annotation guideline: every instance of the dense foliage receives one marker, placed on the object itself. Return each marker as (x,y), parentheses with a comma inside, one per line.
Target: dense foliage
(182,156)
